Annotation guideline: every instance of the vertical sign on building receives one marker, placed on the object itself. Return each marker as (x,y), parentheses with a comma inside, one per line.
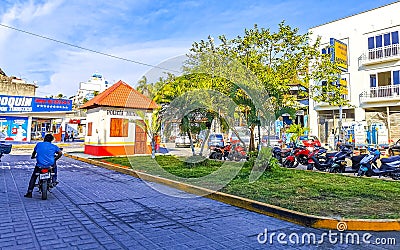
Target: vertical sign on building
(339,53)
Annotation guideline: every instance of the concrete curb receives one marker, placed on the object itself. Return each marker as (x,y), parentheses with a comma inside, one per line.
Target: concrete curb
(256,206)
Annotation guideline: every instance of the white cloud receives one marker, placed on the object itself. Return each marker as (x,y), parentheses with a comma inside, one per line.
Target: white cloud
(73,67)
(59,68)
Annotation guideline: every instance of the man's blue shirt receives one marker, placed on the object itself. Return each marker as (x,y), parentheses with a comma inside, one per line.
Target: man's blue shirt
(45,152)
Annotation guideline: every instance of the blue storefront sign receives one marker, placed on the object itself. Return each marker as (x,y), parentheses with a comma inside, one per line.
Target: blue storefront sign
(20,104)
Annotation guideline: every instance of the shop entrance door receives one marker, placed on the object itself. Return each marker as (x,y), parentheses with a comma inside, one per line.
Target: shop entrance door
(140,140)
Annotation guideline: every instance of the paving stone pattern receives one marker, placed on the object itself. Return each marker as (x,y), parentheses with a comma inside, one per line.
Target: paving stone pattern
(95,208)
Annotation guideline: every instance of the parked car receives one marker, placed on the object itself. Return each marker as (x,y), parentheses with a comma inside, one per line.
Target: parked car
(395,148)
(273,140)
(216,140)
(182,141)
(245,138)
(244,134)
(308,140)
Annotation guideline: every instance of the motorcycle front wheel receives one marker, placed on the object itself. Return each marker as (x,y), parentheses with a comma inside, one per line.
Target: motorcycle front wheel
(302,159)
(289,164)
(44,190)
(368,173)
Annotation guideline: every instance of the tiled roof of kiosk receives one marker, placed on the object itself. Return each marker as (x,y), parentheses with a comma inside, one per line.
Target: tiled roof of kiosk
(120,95)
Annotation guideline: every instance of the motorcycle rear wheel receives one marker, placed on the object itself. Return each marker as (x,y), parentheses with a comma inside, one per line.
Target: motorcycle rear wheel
(44,190)
(396,176)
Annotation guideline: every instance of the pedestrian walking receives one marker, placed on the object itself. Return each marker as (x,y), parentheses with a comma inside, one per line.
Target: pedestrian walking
(66,137)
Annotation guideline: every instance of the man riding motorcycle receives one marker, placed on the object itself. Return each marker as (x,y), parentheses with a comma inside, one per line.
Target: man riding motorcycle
(46,155)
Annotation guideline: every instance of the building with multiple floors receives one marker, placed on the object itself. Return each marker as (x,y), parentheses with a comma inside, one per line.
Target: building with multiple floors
(87,90)
(367,47)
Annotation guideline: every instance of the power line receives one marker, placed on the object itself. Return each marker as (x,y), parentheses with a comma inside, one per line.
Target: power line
(82,48)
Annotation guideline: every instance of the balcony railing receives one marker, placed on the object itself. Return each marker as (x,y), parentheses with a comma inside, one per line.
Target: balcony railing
(381,54)
(381,93)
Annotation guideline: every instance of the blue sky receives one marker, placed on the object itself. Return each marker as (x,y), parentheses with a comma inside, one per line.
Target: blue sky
(148,31)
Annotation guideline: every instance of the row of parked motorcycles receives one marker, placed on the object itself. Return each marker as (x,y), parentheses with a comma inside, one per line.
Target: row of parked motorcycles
(335,162)
(231,151)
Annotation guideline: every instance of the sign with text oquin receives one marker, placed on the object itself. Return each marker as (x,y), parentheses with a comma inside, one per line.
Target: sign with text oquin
(21,104)
(339,54)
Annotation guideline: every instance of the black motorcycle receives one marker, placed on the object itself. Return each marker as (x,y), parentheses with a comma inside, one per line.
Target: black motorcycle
(333,162)
(45,181)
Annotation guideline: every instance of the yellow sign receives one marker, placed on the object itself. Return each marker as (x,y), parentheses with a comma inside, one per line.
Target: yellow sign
(339,53)
(343,87)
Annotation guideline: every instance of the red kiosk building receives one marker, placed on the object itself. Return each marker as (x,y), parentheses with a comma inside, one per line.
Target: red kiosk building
(112,122)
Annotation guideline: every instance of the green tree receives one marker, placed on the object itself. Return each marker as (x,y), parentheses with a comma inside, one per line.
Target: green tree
(60,96)
(277,59)
(145,88)
(151,124)
(297,130)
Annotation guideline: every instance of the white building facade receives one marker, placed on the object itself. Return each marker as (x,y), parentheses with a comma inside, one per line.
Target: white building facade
(372,74)
(96,83)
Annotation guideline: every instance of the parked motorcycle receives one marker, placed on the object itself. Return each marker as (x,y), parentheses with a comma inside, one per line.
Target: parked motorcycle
(280,154)
(237,153)
(298,155)
(220,153)
(355,162)
(390,167)
(232,152)
(334,162)
(389,164)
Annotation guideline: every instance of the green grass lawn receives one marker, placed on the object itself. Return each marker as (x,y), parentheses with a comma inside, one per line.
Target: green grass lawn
(315,193)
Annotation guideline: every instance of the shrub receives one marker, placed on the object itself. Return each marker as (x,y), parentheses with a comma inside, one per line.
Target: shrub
(196,161)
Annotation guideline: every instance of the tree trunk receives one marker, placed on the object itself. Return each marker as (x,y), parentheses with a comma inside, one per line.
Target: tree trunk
(191,142)
(153,148)
(251,146)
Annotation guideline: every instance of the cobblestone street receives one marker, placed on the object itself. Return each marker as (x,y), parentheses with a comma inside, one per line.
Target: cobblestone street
(95,208)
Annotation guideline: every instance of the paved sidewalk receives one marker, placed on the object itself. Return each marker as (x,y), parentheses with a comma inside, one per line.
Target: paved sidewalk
(95,208)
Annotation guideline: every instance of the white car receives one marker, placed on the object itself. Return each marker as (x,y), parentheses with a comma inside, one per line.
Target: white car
(271,140)
(182,141)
